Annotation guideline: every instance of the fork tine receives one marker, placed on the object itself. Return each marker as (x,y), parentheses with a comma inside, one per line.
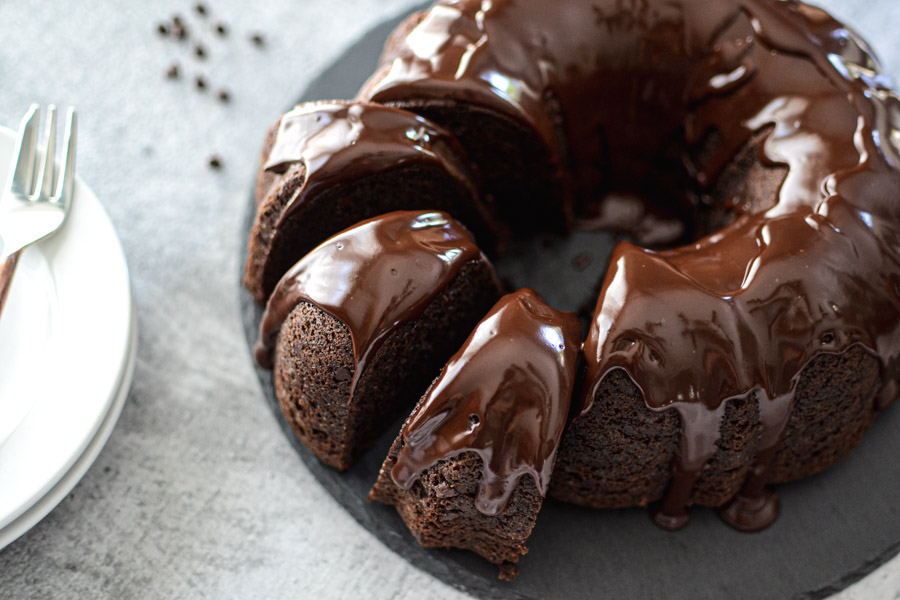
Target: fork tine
(25,152)
(44,183)
(67,179)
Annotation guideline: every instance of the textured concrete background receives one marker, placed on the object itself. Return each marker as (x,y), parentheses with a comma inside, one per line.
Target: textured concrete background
(198,494)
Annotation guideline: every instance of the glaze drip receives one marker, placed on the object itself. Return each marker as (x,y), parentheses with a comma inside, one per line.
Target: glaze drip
(505,396)
(373,278)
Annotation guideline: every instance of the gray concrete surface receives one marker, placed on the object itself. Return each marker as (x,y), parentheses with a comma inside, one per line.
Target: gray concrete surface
(198,494)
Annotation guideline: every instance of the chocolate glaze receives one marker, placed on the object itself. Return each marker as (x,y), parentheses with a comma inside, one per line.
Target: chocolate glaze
(341,141)
(373,278)
(743,310)
(505,396)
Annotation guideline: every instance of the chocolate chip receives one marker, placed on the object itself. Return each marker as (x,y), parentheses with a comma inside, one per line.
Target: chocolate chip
(215,162)
(258,39)
(200,82)
(223,95)
(200,9)
(163,29)
(179,29)
(582,261)
(173,72)
(199,50)
(221,29)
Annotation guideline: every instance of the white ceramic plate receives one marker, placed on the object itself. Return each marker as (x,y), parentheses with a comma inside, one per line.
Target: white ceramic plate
(66,358)
(40,509)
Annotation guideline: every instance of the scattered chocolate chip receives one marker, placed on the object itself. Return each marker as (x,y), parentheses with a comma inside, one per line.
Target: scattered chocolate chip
(581,262)
(223,95)
(173,72)
(200,9)
(179,29)
(221,29)
(199,50)
(258,39)
(163,29)
(200,82)
(215,162)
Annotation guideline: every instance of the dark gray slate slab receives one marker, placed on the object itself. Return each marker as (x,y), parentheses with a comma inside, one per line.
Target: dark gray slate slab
(834,528)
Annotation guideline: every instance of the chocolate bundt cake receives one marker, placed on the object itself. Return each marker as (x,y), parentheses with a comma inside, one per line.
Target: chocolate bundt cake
(756,347)
(328,165)
(472,464)
(766,123)
(359,327)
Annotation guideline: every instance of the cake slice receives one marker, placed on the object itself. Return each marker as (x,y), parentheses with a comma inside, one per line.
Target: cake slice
(328,165)
(471,465)
(357,328)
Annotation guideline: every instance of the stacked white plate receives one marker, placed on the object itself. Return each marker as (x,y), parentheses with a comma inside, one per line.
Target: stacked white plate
(67,346)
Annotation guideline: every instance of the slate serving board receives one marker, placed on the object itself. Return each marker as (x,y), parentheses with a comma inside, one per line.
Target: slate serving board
(834,528)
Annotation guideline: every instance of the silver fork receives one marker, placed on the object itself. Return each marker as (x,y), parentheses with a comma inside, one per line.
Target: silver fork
(31,209)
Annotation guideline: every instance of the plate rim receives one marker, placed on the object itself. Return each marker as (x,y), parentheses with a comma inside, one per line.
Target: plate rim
(35,513)
(71,383)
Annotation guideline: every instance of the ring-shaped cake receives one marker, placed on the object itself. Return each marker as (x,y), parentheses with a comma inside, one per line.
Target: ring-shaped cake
(753,345)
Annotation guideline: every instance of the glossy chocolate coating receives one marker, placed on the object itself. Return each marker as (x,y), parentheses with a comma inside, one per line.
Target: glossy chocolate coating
(340,141)
(373,278)
(505,396)
(743,310)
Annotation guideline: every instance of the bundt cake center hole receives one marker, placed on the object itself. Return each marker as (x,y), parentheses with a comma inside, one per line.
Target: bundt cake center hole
(659,207)
(566,270)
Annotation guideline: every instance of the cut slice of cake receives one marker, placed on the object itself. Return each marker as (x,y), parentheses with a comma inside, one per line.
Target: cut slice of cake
(357,328)
(328,165)
(471,465)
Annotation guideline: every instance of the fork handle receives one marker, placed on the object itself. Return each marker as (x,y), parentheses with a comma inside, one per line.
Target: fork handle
(7,270)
